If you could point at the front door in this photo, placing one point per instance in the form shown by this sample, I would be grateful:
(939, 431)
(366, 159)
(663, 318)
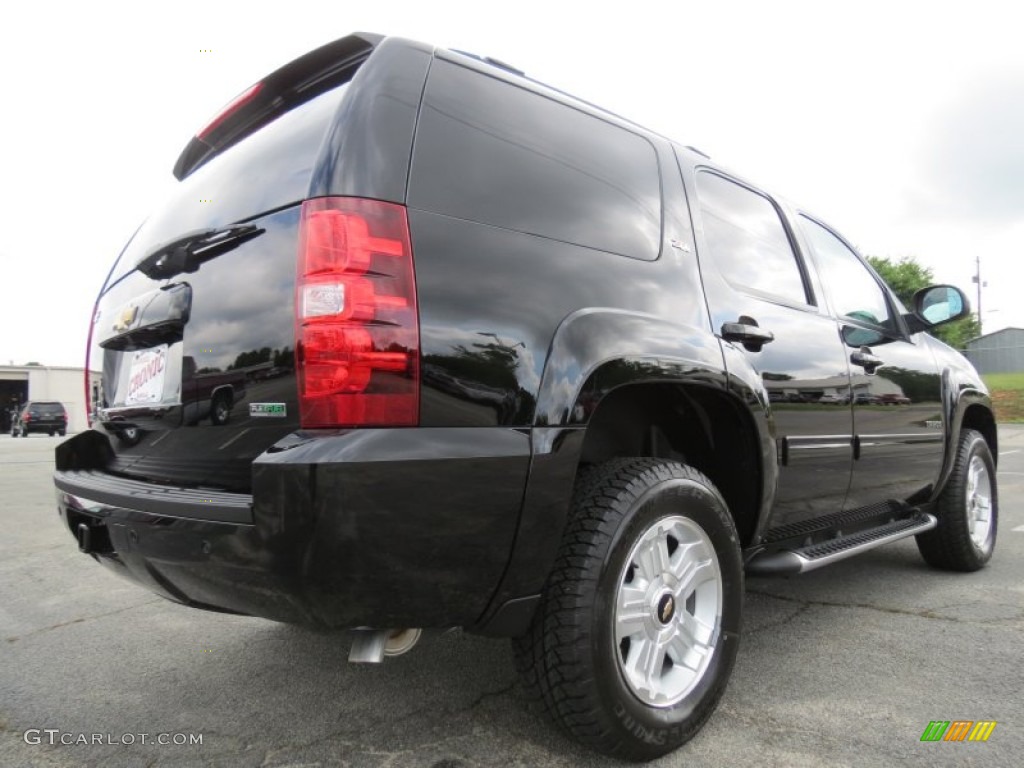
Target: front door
(898, 414)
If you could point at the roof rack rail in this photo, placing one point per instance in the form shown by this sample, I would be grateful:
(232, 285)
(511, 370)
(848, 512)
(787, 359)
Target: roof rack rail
(492, 61)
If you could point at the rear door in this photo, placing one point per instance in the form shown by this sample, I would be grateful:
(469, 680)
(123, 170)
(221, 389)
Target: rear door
(755, 278)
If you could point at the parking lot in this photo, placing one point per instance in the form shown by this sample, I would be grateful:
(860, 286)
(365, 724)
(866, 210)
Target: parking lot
(844, 666)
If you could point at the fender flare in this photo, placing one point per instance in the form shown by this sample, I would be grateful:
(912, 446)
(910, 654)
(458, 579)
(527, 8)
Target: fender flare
(960, 392)
(594, 352)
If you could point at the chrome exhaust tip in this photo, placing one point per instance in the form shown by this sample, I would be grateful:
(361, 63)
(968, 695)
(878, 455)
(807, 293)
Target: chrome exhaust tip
(370, 646)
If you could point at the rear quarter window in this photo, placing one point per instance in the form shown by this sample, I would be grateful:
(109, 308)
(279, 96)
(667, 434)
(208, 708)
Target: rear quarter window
(491, 152)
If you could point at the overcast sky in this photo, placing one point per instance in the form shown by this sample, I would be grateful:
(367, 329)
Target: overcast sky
(900, 123)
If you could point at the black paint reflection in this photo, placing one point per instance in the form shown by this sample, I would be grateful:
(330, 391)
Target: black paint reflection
(482, 374)
(236, 352)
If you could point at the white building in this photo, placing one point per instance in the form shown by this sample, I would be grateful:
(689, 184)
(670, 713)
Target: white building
(21, 383)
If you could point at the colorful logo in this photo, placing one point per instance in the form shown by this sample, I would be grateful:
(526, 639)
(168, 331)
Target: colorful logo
(958, 730)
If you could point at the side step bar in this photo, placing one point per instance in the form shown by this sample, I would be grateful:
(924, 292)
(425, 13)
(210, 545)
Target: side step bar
(825, 553)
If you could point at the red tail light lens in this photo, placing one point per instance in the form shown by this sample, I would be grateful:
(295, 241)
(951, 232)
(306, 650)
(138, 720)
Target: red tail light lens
(356, 324)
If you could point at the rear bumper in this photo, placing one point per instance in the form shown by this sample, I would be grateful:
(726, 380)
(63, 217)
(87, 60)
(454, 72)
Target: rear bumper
(379, 528)
(44, 426)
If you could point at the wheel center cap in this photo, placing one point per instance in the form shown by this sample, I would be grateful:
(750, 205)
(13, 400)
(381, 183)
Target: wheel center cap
(666, 608)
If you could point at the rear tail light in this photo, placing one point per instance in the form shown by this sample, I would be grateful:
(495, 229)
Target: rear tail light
(356, 324)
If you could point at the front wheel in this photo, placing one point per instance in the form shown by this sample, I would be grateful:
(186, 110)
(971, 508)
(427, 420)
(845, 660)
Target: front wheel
(638, 627)
(968, 510)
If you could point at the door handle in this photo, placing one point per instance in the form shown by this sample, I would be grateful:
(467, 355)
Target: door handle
(747, 332)
(869, 362)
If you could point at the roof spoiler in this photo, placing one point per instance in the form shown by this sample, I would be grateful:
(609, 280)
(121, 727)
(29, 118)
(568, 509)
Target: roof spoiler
(295, 83)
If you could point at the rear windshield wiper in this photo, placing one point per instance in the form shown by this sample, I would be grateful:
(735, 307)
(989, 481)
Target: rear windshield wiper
(187, 253)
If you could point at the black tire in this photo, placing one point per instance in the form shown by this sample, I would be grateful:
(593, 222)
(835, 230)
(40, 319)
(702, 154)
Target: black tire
(952, 545)
(571, 661)
(62, 433)
(50, 433)
(220, 409)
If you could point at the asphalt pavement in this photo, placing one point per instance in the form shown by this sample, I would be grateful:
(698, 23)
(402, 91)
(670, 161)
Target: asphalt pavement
(843, 666)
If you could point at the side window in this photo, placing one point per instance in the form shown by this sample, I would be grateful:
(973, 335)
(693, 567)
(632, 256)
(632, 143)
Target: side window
(491, 152)
(748, 241)
(854, 292)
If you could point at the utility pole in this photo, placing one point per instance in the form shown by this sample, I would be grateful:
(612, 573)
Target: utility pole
(977, 281)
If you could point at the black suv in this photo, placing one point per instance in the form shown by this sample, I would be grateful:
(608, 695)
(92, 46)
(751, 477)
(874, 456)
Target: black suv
(39, 416)
(514, 364)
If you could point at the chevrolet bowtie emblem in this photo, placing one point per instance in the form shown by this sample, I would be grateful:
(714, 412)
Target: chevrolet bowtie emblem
(126, 318)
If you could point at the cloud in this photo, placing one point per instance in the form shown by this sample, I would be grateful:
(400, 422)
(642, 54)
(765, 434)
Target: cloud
(974, 160)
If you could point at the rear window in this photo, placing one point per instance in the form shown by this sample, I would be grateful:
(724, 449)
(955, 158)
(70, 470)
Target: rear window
(268, 169)
(47, 409)
(491, 152)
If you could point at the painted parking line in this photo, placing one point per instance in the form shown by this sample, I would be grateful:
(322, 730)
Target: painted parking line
(1007, 453)
(1018, 529)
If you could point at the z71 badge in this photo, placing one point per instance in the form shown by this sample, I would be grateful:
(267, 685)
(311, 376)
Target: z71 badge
(268, 410)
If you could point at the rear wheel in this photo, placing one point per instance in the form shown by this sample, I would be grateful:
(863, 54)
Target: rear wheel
(638, 628)
(220, 410)
(968, 510)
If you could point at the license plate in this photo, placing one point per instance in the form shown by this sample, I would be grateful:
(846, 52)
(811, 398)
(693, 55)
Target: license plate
(268, 410)
(146, 376)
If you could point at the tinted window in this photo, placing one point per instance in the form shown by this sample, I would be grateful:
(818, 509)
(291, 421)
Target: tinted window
(268, 169)
(854, 292)
(490, 152)
(747, 239)
(47, 409)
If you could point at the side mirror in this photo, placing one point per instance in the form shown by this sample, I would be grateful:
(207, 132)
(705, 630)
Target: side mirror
(937, 305)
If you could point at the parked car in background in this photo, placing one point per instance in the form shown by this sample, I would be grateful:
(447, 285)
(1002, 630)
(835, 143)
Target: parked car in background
(48, 417)
(540, 373)
(865, 398)
(893, 400)
(833, 398)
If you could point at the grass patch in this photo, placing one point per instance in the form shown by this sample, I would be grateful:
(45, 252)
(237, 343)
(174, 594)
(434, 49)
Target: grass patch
(1014, 381)
(1007, 395)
